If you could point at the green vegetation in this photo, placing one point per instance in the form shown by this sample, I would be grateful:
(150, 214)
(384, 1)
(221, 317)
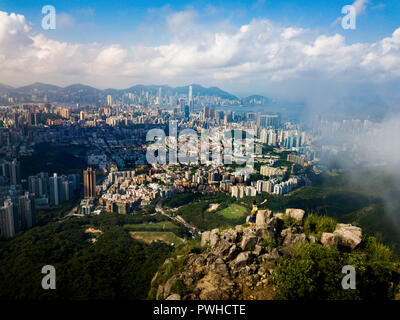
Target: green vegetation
(316, 225)
(196, 213)
(47, 157)
(313, 272)
(234, 211)
(180, 199)
(47, 215)
(174, 265)
(346, 200)
(115, 267)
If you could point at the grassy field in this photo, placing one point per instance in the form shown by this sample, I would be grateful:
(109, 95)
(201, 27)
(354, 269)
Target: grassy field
(158, 226)
(234, 211)
(150, 236)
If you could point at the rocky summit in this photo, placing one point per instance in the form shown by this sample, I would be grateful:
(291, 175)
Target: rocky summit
(238, 263)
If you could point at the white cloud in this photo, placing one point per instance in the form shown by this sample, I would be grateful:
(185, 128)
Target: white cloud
(259, 56)
(181, 20)
(360, 5)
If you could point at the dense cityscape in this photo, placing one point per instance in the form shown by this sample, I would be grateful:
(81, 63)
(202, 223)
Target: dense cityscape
(114, 137)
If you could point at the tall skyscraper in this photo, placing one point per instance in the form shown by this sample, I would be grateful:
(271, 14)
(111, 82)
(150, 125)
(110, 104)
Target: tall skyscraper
(191, 105)
(109, 100)
(54, 193)
(159, 95)
(15, 172)
(7, 220)
(89, 183)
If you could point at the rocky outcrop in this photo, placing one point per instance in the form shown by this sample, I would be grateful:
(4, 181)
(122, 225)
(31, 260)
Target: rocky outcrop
(237, 263)
(296, 214)
(348, 234)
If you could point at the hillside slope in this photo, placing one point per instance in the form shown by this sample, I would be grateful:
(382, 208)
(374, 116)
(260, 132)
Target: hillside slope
(285, 258)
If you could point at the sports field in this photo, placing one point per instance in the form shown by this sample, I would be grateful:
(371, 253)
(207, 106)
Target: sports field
(150, 236)
(158, 226)
(234, 211)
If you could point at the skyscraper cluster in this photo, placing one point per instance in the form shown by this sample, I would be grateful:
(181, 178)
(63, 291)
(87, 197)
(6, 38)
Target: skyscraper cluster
(17, 213)
(11, 171)
(53, 190)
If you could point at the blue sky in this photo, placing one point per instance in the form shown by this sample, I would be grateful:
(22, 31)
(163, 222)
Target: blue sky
(125, 22)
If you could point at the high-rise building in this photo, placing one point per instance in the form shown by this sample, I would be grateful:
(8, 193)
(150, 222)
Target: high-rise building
(89, 183)
(24, 212)
(11, 170)
(7, 220)
(109, 100)
(191, 104)
(53, 188)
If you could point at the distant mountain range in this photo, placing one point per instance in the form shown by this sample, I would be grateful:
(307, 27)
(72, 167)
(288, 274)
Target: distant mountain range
(79, 93)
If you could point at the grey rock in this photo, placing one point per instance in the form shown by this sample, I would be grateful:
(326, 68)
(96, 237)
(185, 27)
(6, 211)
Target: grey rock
(239, 229)
(205, 238)
(268, 257)
(168, 285)
(221, 248)
(312, 239)
(160, 292)
(348, 234)
(248, 242)
(293, 239)
(257, 250)
(296, 214)
(241, 260)
(230, 235)
(329, 239)
(261, 219)
(264, 233)
(233, 252)
(214, 237)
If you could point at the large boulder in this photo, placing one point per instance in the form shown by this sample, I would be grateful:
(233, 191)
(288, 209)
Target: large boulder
(214, 237)
(233, 252)
(220, 267)
(261, 219)
(241, 260)
(205, 238)
(168, 286)
(291, 240)
(248, 242)
(221, 248)
(239, 229)
(215, 287)
(257, 250)
(349, 235)
(229, 235)
(296, 214)
(264, 233)
(268, 257)
(329, 239)
(174, 296)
